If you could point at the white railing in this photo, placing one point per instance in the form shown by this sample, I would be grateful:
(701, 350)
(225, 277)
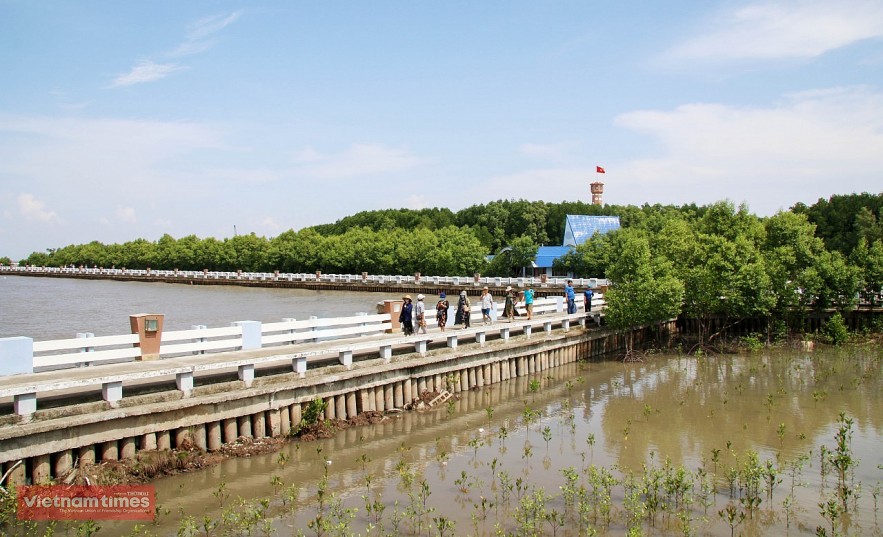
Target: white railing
(293, 342)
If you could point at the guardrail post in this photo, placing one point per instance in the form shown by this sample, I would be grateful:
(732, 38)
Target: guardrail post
(565, 324)
(184, 382)
(246, 374)
(346, 358)
(314, 330)
(25, 404)
(299, 365)
(547, 327)
(504, 333)
(16, 355)
(452, 341)
(480, 337)
(112, 392)
(527, 330)
(420, 346)
(386, 353)
(199, 339)
(251, 334)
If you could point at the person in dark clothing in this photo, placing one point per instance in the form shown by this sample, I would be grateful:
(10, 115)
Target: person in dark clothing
(463, 306)
(406, 316)
(441, 311)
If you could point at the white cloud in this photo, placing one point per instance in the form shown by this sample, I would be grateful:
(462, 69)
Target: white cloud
(810, 145)
(146, 71)
(357, 160)
(783, 29)
(416, 202)
(126, 215)
(199, 34)
(35, 210)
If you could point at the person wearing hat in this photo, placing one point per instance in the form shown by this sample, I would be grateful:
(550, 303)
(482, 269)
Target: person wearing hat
(463, 310)
(487, 304)
(509, 305)
(405, 317)
(420, 314)
(441, 311)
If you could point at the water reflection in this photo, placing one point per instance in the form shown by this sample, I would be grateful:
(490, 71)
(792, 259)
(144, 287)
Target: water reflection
(700, 413)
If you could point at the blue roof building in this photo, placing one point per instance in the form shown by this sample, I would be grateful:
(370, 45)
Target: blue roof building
(578, 228)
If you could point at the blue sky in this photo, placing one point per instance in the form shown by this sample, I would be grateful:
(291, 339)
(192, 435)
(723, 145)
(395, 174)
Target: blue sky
(125, 120)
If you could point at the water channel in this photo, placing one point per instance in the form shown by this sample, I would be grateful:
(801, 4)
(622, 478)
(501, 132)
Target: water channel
(563, 453)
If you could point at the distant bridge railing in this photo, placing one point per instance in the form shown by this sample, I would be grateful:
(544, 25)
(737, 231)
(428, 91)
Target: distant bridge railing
(314, 277)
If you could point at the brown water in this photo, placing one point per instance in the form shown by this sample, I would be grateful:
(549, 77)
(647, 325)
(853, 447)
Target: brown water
(462, 469)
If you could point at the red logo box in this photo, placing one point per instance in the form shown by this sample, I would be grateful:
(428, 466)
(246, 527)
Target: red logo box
(81, 502)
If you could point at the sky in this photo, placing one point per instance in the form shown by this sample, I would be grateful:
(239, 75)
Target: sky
(127, 120)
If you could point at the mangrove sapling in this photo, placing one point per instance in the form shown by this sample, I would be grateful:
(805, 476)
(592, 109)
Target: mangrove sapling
(750, 479)
(842, 460)
(444, 526)
(831, 511)
(771, 476)
(733, 516)
(547, 435)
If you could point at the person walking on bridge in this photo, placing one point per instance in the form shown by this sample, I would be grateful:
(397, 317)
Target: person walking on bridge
(441, 311)
(487, 303)
(509, 305)
(570, 295)
(405, 317)
(463, 310)
(420, 314)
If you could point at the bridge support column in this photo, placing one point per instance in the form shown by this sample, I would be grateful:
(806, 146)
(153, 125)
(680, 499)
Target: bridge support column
(340, 401)
(421, 386)
(86, 454)
(127, 448)
(388, 397)
(109, 451)
(259, 425)
(330, 408)
(64, 461)
(504, 333)
(408, 392)
(285, 420)
(399, 395)
(527, 330)
(296, 414)
(244, 426)
(18, 475)
(352, 408)
(364, 400)
(386, 353)
(213, 436)
(163, 440)
(547, 327)
(274, 417)
(41, 473)
(231, 430)
(452, 342)
(379, 399)
(420, 347)
(148, 441)
(565, 324)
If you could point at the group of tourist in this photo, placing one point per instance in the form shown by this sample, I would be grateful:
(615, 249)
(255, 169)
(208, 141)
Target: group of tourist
(412, 313)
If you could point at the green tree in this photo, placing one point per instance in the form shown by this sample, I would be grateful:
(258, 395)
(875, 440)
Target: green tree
(644, 289)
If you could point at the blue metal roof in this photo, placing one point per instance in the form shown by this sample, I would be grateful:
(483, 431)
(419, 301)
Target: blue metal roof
(578, 228)
(547, 254)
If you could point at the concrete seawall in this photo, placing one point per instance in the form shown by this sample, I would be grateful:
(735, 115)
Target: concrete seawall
(85, 431)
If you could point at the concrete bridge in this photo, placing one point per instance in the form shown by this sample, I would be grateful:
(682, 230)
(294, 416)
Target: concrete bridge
(543, 286)
(109, 412)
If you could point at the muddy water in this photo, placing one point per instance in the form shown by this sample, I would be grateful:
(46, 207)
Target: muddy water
(461, 469)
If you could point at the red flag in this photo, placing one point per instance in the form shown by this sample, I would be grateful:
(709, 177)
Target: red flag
(599, 169)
